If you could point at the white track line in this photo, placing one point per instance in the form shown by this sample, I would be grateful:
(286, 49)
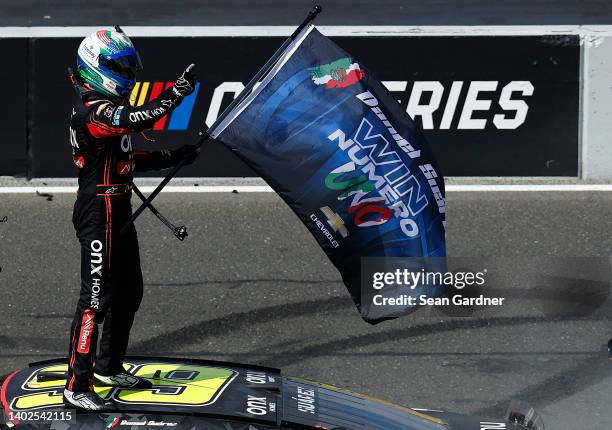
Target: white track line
(266, 189)
(148, 189)
(529, 187)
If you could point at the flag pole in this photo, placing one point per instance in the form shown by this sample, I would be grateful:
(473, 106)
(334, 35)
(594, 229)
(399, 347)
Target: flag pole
(266, 67)
(203, 135)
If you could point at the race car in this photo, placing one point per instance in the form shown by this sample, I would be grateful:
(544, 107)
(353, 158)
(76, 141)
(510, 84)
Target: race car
(212, 395)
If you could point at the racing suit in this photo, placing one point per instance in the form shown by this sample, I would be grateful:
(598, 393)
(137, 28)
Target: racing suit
(111, 278)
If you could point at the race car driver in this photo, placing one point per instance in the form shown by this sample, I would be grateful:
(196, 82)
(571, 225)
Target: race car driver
(101, 129)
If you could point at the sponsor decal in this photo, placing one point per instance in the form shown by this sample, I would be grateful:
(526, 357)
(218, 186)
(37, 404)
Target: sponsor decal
(117, 117)
(306, 400)
(338, 74)
(126, 143)
(89, 50)
(258, 405)
(96, 272)
(167, 103)
(335, 221)
(330, 237)
(158, 111)
(79, 161)
(143, 115)
(140, 115)
(259, 378)
(114, 189)
(125, 167)
(87, 326)
(73, 139)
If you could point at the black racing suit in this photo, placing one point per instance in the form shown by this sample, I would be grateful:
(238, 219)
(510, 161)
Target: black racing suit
(111, 279)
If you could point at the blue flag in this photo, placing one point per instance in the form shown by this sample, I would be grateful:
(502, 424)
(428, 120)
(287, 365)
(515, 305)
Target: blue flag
(343, 154)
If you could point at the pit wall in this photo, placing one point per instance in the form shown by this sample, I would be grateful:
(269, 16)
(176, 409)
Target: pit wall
(493, 101)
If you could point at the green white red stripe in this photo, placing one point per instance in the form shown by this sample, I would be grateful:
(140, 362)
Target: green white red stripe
(338, 74)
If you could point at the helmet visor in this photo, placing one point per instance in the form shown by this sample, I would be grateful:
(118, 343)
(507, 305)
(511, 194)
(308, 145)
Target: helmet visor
(126, 64)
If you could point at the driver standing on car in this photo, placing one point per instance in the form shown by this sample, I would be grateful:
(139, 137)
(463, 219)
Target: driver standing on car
(111, 280)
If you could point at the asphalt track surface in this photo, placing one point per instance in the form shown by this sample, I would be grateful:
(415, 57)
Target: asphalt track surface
(251, 285)
(291, 12)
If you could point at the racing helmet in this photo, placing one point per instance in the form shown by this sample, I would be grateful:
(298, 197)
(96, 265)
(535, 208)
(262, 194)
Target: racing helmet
(108, 62)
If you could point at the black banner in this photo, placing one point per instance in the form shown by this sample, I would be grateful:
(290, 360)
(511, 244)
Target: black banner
(14, 77)
(489, 106)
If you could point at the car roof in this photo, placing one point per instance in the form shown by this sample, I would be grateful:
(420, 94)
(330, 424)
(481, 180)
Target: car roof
(220, 392)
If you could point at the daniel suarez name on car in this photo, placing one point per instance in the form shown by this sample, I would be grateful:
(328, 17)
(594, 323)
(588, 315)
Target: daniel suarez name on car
(306, 400)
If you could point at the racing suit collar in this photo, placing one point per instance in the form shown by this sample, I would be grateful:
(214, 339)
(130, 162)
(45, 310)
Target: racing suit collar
(89, 94)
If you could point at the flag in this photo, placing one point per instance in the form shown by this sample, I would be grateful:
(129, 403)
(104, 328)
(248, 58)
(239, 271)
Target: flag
(338, 74)
(344, 155)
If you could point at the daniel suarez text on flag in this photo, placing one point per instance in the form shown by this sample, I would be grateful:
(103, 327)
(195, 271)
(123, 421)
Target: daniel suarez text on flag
(397, 187)
(443, 105)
